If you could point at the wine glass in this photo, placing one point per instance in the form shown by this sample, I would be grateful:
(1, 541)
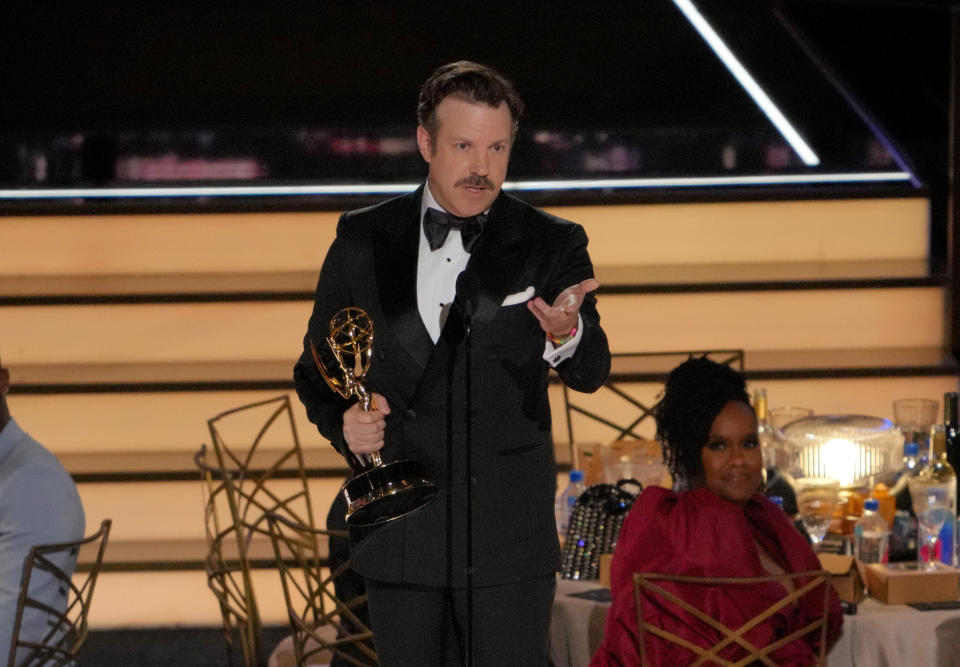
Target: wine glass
(914, 417)
(931, 503)
(817, 499)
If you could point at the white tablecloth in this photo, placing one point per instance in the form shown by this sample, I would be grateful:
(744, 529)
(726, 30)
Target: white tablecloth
(879, 634)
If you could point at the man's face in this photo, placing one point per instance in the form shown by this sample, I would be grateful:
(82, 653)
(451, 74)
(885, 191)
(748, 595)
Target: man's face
(468, 157)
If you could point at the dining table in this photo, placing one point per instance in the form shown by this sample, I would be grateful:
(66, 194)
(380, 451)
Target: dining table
(876, 634)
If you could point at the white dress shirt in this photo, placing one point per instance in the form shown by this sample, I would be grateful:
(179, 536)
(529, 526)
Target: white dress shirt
(437, 272)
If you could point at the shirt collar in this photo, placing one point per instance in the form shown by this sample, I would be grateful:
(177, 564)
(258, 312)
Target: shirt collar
(429, 201)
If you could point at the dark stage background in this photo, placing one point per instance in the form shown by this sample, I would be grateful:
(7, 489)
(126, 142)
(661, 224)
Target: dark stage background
(114, 94)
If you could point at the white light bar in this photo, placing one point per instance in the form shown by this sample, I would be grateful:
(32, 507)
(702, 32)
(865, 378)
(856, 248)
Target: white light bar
(748, 83)
(396, 188)
(711, 181)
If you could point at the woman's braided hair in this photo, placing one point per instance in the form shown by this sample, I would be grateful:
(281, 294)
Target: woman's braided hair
(694, 395)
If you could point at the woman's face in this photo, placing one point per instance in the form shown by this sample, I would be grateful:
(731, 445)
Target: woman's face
(732, 460)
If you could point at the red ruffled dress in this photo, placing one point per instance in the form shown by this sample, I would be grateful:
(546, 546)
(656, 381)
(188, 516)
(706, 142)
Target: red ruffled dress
(697, 533)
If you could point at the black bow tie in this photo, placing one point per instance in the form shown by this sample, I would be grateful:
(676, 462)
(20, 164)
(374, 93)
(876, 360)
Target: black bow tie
(437, 225)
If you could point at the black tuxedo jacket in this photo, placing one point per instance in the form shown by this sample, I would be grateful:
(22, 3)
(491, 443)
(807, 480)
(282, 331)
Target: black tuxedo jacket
(373, 264)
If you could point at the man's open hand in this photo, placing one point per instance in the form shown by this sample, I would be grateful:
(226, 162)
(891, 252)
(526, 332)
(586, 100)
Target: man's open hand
(560, 318)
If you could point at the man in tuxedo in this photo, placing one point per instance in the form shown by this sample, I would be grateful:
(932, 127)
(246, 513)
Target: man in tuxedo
(421, 265)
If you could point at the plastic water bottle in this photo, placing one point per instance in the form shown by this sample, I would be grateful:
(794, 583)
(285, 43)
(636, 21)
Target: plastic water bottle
(567, 499)
(871, 535)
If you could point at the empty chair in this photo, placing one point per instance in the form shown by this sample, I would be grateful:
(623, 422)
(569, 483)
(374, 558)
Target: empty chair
(325, 627)
(256, 467)
(65, 627)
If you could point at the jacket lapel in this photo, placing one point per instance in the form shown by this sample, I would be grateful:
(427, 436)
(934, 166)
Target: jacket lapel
(395, 256)
(498, 256)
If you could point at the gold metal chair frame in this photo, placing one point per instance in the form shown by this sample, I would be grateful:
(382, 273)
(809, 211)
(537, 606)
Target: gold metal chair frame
(644, 581)
(627, 368)
(67, 629)
(639, 367)
(312, 603)
(237, 499)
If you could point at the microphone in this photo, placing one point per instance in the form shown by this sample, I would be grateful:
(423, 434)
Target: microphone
(466, 301)
(467, 296)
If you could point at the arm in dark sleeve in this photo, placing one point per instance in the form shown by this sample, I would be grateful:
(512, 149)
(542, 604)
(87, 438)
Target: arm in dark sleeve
(325, 407)
(589, 366)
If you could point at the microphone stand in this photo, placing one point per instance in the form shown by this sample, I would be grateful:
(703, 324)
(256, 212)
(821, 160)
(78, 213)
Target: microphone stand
(468, 445)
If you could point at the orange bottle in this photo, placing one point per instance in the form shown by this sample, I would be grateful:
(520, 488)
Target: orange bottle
(850, 512)
(887, 503)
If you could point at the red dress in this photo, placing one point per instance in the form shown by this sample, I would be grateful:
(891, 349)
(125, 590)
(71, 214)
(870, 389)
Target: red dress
(698, 533)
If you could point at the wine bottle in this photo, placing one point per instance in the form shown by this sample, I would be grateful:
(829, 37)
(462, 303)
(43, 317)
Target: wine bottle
(951, 431)
(764, 430)
(949, 457)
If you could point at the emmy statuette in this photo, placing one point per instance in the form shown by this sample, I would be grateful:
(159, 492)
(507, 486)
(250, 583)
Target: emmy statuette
(380, 492)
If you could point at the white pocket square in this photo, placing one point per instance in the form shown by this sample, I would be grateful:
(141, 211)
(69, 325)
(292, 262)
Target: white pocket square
(519, 297)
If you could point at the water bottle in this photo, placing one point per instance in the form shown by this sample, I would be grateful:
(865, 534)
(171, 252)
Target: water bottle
(871, 535)
(776, 500)
(567, 499)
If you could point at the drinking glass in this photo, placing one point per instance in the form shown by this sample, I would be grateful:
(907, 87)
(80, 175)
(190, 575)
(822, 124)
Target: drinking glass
(817, 499)
(932, 500)
(786, 456)
(914, 417)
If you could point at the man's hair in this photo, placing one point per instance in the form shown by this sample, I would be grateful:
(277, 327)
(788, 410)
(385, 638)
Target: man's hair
(469, 81)
(695, 393)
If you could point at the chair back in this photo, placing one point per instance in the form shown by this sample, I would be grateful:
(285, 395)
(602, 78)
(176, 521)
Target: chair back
(65, 626)
(325, 627)
(647, 585)
(256, 468)
(614, 412)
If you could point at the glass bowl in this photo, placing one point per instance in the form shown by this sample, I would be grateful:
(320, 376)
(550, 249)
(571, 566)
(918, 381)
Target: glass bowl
(856, 450)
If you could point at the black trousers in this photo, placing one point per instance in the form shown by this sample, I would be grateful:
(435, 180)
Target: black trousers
(425, 625)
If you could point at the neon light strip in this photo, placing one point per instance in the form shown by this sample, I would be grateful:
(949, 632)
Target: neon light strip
(748, 83)
(394, 188)
(711, 181)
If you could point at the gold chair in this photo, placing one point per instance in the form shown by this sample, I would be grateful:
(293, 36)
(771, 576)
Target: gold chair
(324, 626)
(798, 585)
(258, 469)
(619, 414)
(66, 627)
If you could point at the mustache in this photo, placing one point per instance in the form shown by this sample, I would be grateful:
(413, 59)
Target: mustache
(475, 181)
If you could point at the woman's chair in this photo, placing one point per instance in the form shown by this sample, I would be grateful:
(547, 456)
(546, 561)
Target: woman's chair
(648, 586)
(324, 626)
(613, 414)
(257, 468)
(65, 627)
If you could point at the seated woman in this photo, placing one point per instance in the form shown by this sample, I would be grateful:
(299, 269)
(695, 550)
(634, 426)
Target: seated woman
(721, 527)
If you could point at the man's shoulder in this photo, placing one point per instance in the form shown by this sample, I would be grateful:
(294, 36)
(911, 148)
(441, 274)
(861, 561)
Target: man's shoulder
(535, 216)
(388, 209)
(36, 484)
(28, 458)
